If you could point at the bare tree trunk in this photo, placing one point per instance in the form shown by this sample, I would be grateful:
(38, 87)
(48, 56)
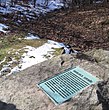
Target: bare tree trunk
(34, 3)
(46, 2)
(12, 2)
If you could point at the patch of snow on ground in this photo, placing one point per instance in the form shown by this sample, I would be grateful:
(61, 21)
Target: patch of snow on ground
(37, 55)
(31, 36)
(40, 8)
(59, 45)
(3, 60)
(52, 5)
(5, 10)
(2, 27)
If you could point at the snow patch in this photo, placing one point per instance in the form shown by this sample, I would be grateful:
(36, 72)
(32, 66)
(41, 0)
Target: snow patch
(29, 11)
(37, 55)
(2, 27)
(52, 5)
(3, 61)
(31, 36)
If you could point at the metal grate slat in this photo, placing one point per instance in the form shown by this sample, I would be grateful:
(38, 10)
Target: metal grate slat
(78, 79)
(67, 84)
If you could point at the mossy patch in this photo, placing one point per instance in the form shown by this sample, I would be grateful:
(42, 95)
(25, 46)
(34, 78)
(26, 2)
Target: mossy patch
(58, 51)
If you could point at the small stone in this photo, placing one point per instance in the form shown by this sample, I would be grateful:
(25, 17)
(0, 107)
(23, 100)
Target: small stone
(31, 57)
(5, 71)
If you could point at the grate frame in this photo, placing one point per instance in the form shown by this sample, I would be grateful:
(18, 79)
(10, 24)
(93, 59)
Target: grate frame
(67, 84)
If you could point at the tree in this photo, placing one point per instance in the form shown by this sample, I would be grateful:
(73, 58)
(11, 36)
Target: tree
(13, 2)
(34, 3)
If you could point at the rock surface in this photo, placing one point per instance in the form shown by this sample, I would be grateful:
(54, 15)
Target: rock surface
(22, 91)
(103, 94)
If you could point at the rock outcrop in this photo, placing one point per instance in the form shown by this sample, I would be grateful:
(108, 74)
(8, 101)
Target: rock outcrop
(21, 89)
(103, 94)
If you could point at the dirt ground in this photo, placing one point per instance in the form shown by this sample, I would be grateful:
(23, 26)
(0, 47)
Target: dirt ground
(82, 29)
(85, 28)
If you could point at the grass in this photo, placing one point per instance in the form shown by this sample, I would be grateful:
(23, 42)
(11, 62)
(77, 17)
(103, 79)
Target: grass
(58, 51)
(3, 53)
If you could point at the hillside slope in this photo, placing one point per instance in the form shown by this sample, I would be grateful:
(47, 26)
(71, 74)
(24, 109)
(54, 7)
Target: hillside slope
(85, 28)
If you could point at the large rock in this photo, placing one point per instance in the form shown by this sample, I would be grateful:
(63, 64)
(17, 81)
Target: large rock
(103, 94)
(21, 89)
(101, 56)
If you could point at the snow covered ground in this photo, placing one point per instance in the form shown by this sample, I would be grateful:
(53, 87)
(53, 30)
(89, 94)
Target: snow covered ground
(34, 55)
(3, 27)
(37, 55)
(31, 36)
(29, 11)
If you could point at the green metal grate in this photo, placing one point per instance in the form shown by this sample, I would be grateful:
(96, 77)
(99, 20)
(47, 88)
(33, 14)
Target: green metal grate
(63, 86)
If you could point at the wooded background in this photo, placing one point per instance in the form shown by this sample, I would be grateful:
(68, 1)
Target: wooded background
(69, 3)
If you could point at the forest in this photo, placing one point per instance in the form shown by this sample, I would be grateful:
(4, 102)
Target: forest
(45, 2)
